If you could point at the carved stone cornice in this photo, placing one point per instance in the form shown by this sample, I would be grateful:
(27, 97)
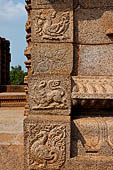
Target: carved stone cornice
(92, 91)
(92, 87)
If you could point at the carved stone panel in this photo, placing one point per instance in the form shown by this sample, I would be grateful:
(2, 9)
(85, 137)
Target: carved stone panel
(51, 25)
(49, 94)
(52, 4)
(46, 140)
(96, 87)
(55, 58)
(95, 60)
(92, 136)
(94, 26)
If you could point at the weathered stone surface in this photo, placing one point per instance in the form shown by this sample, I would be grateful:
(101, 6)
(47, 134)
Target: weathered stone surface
(52, 4)
(52, 58)
(95, 3)
(50, 94)
(94, 26)
(92, 137)
(92, 87)
(90, 163)
(47, 142)
(11, 157)
(95, 60)
(52, 25)
(11, 139)
(92, 92)
(54, 94)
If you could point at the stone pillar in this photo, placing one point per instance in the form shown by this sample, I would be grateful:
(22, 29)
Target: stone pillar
(69, 85)
(50, 42)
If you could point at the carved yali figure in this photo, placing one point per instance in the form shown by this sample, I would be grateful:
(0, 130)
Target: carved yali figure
(49, 95)
(48, 148)
(47, 26)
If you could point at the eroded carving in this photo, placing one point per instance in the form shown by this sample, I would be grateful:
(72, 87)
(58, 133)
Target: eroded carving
(50, 25)
(47, 144)
(43, 60)
(96, 132)
(49, 94)
(96, 87)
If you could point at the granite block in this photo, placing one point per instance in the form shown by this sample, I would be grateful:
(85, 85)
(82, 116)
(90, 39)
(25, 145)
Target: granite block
(95, 60)
(94, 26)
(52, 58)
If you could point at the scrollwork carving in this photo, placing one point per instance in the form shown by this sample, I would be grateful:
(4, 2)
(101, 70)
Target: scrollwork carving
(47, 146)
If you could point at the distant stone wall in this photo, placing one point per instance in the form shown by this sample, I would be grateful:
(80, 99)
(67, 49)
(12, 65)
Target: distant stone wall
(5, 58)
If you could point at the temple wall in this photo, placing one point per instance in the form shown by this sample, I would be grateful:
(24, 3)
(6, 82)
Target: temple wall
(69, 90)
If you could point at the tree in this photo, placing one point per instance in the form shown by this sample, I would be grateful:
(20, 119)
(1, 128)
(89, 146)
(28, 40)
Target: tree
(17, 75)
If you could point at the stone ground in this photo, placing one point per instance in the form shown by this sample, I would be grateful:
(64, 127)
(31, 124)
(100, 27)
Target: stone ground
(11, 138)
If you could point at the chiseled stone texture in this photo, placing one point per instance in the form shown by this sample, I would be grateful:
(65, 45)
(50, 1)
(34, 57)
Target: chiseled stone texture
(47, 142)
(52, 25)
(11, 157)
(92, 26)
(49, 94)
(95, 3)
(92, 87)
(95, 60)
(91, 144)
(90, 163)
(92, 137)
(52, 4)
(52, 58)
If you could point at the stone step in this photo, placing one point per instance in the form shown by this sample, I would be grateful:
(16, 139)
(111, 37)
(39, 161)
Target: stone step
(12, 99)
(11, 138)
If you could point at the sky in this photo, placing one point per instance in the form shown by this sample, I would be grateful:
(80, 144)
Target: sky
(13, 17)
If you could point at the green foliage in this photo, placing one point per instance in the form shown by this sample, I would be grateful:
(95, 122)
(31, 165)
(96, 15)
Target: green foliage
(17, 75)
